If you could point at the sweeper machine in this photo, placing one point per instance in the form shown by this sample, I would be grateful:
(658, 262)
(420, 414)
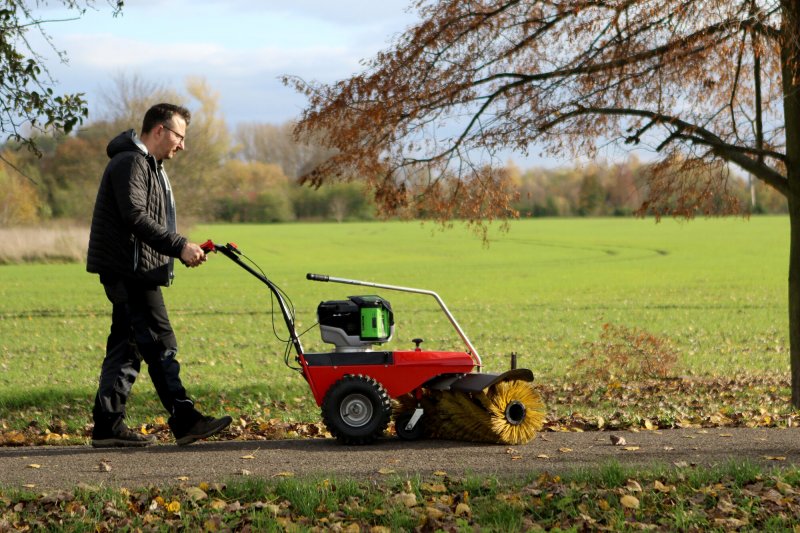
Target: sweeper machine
(431, 394)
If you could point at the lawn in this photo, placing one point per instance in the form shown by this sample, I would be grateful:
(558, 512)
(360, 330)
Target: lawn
(714, 288)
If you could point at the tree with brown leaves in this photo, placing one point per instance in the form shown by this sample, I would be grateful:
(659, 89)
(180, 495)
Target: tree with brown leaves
(704, 84)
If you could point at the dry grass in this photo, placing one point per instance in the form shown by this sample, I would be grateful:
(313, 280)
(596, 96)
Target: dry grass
(64, 243)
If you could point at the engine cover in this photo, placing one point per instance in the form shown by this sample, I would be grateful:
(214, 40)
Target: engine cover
(357, 323)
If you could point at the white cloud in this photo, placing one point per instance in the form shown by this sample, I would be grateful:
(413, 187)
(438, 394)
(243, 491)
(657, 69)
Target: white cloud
(240, 47)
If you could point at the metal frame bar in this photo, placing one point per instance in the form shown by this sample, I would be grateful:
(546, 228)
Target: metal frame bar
(471, 349)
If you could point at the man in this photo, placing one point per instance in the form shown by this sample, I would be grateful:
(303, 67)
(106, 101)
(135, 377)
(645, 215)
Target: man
(132, 246)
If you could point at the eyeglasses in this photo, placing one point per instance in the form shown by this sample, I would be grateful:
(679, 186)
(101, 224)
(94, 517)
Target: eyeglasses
(180, 137)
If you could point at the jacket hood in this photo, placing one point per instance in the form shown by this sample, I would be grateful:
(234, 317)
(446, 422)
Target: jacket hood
(127, 141)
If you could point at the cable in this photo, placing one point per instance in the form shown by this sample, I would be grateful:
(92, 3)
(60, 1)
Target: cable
(290, 309)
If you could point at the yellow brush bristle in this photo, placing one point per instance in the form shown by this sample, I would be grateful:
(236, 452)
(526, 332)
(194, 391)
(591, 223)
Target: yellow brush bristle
(481, 417)
(500, 397)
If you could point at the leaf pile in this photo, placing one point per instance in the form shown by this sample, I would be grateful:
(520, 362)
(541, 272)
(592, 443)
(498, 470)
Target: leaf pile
(689, 402)
(628, 353)
(729, 498)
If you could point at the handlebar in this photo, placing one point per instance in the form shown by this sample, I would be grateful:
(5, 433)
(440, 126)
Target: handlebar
(210, 246)
(317, 277)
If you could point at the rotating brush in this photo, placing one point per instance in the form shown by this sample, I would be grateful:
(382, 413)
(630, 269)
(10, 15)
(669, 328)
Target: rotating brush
(509, 412)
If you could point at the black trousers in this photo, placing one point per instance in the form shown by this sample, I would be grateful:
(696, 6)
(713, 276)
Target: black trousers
(140, 330)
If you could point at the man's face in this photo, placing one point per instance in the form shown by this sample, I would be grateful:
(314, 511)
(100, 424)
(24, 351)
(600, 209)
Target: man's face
(170, 138)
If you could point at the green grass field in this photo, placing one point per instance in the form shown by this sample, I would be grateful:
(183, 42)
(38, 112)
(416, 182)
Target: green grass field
(715, 287)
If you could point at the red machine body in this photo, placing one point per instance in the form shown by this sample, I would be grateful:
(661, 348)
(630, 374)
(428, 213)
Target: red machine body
(399, 372)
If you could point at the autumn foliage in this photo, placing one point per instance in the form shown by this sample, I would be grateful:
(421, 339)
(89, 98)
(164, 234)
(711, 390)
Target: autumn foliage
(694, 80)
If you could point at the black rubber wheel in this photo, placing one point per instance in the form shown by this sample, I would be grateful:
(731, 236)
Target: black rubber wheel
(356, 409)
(400, 422)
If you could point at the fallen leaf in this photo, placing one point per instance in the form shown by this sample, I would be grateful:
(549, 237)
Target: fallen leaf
(386, 471)
(617, 440)
(631, 448)
(773, 496)
(284, 474)
(660, 487)
(251, 456)
(433, 513)
(244, 472)
(405, 499)
(462, 509)
(217, 504)
(104, 466)
(195, 493)
(14, 438)
(182, 478)
(440, 473)
(542, 456)
(629, 502)
(633, 486)
(34, 465)
(774, 458)
(433, 487)
(730, 523)
(272, 509)
(565, 450)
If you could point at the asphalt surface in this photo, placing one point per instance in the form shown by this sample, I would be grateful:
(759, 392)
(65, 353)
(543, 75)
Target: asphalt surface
(41, 468)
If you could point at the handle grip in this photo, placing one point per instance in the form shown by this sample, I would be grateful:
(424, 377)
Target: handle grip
(317, 277)
(210, 246)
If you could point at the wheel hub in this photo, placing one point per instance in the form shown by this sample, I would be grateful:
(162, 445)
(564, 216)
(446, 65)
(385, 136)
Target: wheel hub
(356, 410)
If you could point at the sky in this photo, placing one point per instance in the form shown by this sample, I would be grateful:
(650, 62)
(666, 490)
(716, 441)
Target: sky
(240, 47)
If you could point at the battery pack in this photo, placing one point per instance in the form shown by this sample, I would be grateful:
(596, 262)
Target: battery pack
(358, 322)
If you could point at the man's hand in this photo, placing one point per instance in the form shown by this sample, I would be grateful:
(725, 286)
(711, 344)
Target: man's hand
(192, 255)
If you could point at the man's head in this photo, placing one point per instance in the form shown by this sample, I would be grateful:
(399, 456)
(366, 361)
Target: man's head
(164, 128)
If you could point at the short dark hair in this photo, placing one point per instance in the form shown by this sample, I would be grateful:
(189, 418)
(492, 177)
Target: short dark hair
(163, 113)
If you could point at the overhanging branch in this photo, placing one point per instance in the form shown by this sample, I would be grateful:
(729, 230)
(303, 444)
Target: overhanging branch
(694, 134)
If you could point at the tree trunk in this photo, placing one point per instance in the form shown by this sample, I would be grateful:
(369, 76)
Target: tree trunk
(794, 296)
(791, 106)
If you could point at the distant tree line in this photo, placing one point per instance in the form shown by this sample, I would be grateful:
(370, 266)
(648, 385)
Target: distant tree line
(619, 189)
(250, 173)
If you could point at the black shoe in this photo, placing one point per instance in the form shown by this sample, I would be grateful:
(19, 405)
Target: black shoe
(123, 438)
(203, 428)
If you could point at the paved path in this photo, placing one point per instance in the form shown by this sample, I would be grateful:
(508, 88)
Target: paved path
(64, 467)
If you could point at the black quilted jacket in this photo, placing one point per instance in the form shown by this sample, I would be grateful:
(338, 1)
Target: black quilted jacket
(129, 234)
